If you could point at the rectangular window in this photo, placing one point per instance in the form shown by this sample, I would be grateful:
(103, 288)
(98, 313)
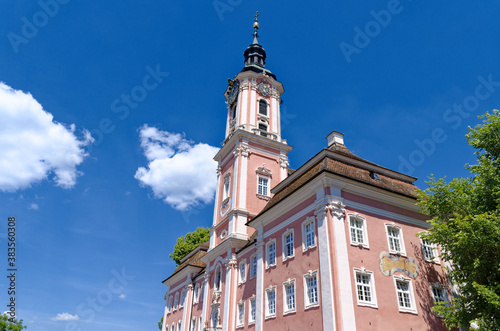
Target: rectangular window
(289, 297)
(241, 313)
(363, 287)
(404, 291)
(263, 107)
(202, 291)
(263, 129)
(395, 239)
(429, 250)
(243, 272)
(308, 234)
(262, 188)
(271, 302)
(312, 290)
(288, 245)
(271, 254)
(196, 293)
(439, 292)
(193, 324)
(253, 266)
(252, 311)
(356, 226)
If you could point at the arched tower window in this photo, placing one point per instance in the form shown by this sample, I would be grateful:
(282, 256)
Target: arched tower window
(263, 107)
(217, 279)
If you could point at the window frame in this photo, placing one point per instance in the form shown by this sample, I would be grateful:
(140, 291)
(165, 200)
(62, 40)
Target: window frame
(268, 314)
(196, 293)
(252, 266)
(252, 309)
(305, 246)
(440, 287)
(373, 293)
(432, 248)
(263, 101)
(269, 243)
(307, 300)
(170, 301)
(284, 236)
(176, 301)
(286, 285)
(226, 188)
(413, 307)
(218, 282)
(267, 179)
(242, 279)
(182, 298)
(364, 230)
(402, 250)
(239, 323)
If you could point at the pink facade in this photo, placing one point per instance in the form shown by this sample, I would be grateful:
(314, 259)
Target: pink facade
(333, 245)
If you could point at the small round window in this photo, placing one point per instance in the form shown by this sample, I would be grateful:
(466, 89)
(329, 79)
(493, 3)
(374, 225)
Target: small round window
(223, 234)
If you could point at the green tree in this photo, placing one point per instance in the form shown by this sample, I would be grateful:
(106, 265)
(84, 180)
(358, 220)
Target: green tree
(185, 244)
(5, 324)
(466, 224)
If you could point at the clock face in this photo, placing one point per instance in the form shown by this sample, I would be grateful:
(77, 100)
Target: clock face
(234, 93)
(264, 89)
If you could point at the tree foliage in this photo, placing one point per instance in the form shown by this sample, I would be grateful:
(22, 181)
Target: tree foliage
(466, 224)
(5, 325)
(185, 244)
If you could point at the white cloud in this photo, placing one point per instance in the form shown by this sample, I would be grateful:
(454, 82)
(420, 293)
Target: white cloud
(65, 317)
(122, 296)
(179, 172)
(34, 146)
(33, 206)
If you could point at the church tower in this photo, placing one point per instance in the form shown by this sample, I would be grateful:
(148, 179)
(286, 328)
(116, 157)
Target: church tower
(253, 158)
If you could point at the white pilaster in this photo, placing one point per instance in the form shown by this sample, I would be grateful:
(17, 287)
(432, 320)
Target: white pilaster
(185, 316)
(253, 98)
(325, 269)
(236, 154)
(243, 104)
(227, 291)
(205, 296)
(274, 115)
(343, 268)
(259, 300)
(242, 198)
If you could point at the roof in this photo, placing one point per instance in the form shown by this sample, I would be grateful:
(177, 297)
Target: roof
(193, 259)
(350, 166)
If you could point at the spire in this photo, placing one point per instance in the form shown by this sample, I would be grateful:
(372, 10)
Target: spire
(255, 53)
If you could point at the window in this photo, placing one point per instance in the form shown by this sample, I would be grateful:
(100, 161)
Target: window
(253, 266)
(439, 292)
(271, 253)
(288, 245)
(225, 192)
(196, 293)
(395, 239)
(404, 293)
(241, 314)
(263, 129)
(271, 302)
(217, 278)
(429, 250)
(365, 288)
(243, 271)
(183, 298)
(202, 290)
(308, 234)
(169, 306)
(289, 296)
(358, 231)
(167, 328)
(251, 316)
(311, 289)
(263, 186)
(176, 301)
(173, 327)
(200, 323)
(179, 325)
(263, 107)
(193, 324)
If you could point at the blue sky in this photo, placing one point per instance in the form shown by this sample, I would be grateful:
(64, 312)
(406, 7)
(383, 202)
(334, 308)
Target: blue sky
(145, 81)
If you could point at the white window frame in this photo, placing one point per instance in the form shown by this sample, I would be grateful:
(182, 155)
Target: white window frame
(176, 301)
(307, 302)
(240, 323)
(413, 307)
(432, 248)
(173, 327)
(202, 290)
(253, 268)
(373, 293)
(196, 293)
(200, 323)
(268, 314)
(169, 304)
(286, 310)
(182, 299)
(179, 325)
(251, 319)
(242, 271)
(285, 234)
(167, 327)
(226, 187)
(440, 287)
(402, 250)
(308, 221)
(193, 324)
(268, 180)
(218, 284)
(269, 243)
(364, 231)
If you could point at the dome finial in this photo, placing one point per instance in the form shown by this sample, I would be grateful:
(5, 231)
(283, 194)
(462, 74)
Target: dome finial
(255, 28)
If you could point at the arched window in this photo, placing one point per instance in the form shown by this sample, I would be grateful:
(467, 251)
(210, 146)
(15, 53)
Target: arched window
(263, 107)
(263, 129)
(217, 279)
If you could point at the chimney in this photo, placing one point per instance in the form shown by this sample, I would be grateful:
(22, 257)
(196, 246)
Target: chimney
(335, 137)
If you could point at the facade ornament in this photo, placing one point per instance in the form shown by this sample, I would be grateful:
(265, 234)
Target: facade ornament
(284, 162)
(337, 208)
(260, 246)
(236, 151)
(245, 149)
(230, 263)
(321, 211)
(219, 170)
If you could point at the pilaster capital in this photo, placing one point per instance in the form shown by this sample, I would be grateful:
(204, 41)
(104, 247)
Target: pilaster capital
(337, 208)
(219, 170)
(231, 263)
(236, 151)
(245, 149)
(284, 161)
